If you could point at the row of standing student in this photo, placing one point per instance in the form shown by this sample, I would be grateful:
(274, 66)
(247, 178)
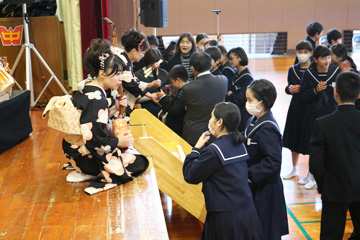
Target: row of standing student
(312, 98)
(252, 160)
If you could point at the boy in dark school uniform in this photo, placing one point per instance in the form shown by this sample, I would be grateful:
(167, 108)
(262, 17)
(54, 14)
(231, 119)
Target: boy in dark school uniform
(335, 160)
(314, 31)
(178, 76)
(215, 55)
(334, 36)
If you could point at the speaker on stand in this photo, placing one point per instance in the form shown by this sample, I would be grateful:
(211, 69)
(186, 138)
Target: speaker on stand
(153, 13)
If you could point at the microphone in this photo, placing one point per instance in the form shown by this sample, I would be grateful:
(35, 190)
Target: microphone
(216, 11)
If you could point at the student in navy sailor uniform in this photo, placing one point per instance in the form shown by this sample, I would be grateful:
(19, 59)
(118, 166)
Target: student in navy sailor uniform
(335, 160)
(221, 167)
(242, 79)
(317, 94)
(264, 146)
(314, 31)
(296, 112)
(339, 57)
(152, 56)
(225, 66)
(185, 47)
(97, 154)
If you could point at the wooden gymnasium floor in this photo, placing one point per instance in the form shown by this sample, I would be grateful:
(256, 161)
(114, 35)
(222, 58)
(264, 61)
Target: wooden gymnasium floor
(37, 203)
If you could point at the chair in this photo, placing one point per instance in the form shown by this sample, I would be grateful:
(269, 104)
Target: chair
(323, 40)
(356, 43)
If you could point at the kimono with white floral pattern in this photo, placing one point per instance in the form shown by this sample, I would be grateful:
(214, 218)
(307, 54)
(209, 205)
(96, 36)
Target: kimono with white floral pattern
(99, 153)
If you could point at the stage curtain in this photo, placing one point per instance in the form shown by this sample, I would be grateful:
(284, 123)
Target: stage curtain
(69, 13)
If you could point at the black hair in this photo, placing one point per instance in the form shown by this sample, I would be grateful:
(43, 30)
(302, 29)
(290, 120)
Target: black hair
(263, 90)
(201, 36)
(304, 45)
(240, 52)
(179, 71)
(231, 117)
(91, 59)
(211, 42)
(191, 39)
(153, 40)
(333, 34)
(134, 39)
(314, 28)
(321, 51)
(214, 52)
(348, 86)
(152, 56)
(201, 61)
(222, 49)
(340, 51)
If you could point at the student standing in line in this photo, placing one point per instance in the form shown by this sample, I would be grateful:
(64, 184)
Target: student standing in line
(339, 55)
(230, 209)
(314, 31)
(240, 82)
(335, 160)
(185, 47)
(171, 104)
(215, 54)
(264, 146)
(295, 116)
(225, 66)
(201, 38)
(334, 36)
(157, 79)
(317, 94)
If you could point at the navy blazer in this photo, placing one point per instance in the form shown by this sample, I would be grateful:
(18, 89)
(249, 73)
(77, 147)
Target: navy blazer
(335, 155)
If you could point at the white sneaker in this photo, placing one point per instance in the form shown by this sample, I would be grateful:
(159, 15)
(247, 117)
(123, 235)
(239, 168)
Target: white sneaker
(305, 179)
(76, 176)
(293, 173)
(310, 184)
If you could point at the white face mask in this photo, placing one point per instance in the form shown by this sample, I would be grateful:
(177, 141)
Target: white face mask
(251, 108)
(211, 130)
(303, 58)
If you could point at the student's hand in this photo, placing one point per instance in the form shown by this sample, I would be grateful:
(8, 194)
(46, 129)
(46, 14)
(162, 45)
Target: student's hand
(127, 76)
(321, 86)
(155, 99)
(120, 103)
(125, 139)
(156, 83)
(346, 66)
(204, 138)
(229, 93)
(160, 94)
(294, 88)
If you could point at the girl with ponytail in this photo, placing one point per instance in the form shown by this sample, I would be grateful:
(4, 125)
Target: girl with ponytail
(222, 168)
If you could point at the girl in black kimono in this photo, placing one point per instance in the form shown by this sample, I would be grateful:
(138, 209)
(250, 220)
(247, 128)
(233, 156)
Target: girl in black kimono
(97, 154)
(317, 94)
(221, 166)
(295, 116)
(264, 145)
(240, 82)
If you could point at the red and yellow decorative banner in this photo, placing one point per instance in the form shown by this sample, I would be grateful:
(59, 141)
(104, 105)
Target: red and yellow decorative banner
(11, 37)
